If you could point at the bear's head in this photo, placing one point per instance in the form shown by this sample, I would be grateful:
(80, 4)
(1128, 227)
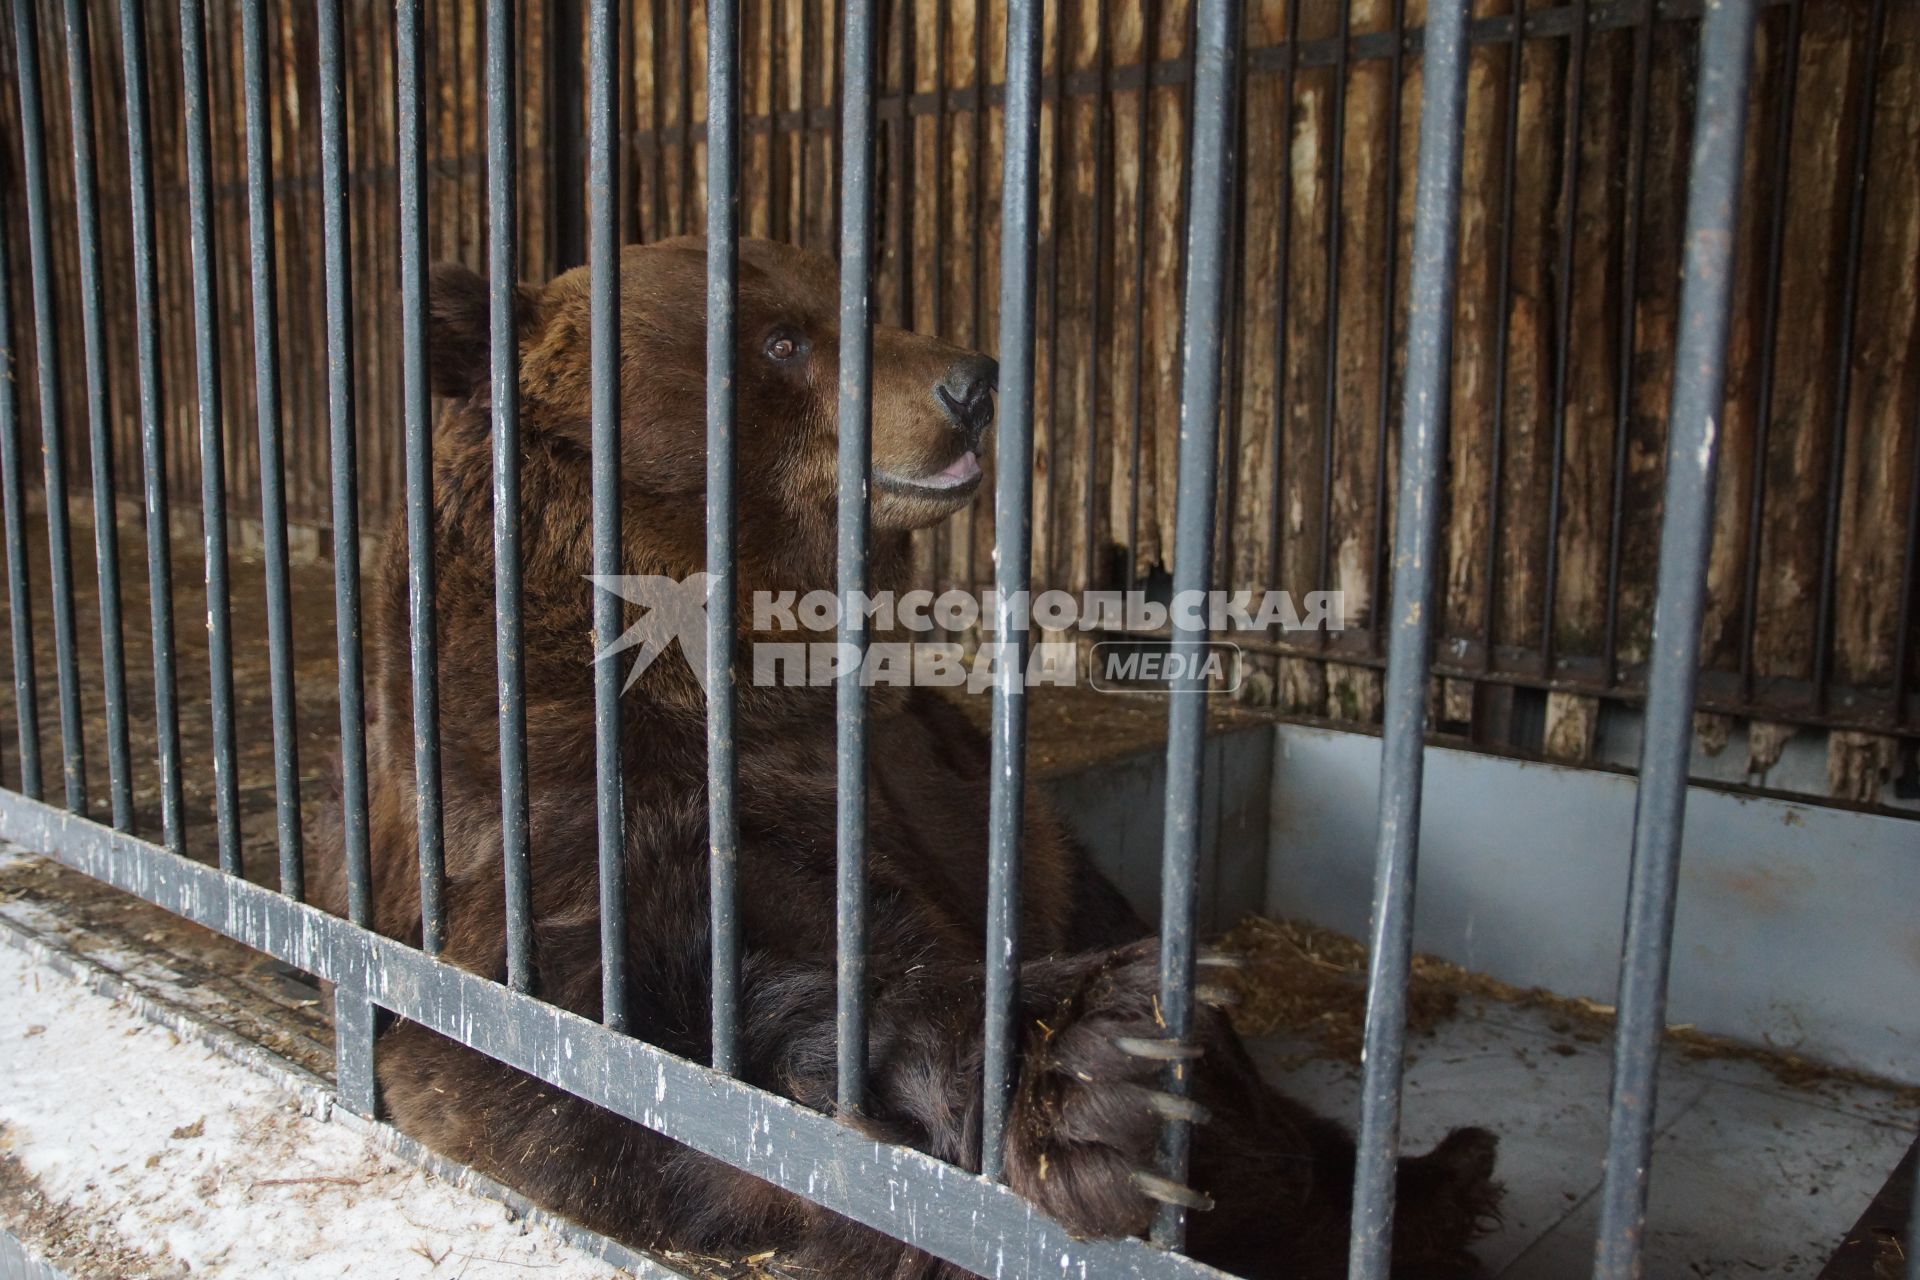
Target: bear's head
(932, 402)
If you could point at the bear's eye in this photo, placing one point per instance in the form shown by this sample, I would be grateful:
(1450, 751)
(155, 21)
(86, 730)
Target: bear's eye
(783, 346)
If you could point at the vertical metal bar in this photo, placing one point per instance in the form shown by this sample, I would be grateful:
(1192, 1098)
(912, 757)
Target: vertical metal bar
(353, 1077)
(806, 121)
(26, 701)
(33, 156)
(1282, 274)
(1843, 360)
(1226, 522)
(213, 481)
(503, 120)
(603, 258)
(1913, 1233)
(683, 66)
(1769, 345)
(856, 422)
(153, 452)
(1097, 252)
(937, 281)
(1423, 453)
(903, 163)
(273, 493)
(1629, 298)
(1503, 339)
(779, 166)
(723, 229)
(838, 204)
(1013, 529)
(1563, 324)
(566, 223)
(1143, 220)
(1330, 408)
(346, 506)
(1216, 58)
(977, 333)
(657, 60)
(1903, 637)
(1188, 89)
(106, 539)
(1056, 215)
(410, 86)
(1686, 534)
(1389, 273)
(626, 92)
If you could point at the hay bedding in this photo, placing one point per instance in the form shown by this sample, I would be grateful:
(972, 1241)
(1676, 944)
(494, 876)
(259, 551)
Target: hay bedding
(1309, 985)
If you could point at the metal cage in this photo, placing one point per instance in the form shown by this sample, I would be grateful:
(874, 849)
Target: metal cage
(970, 1220)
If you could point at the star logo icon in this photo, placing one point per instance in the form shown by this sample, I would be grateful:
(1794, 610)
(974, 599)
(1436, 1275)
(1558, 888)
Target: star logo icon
(671, 610)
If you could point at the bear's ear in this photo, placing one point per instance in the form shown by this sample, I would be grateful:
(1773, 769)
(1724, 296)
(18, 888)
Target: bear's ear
(459, 356)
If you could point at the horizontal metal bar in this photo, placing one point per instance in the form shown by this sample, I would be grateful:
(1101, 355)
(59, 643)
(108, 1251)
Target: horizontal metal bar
(921, 1201)
(1556, 23)
(1266, 60)
(313, 1090)
(1782, 698)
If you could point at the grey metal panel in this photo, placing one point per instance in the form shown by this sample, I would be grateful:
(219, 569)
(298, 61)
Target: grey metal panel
(17, 1261)
(1796, 928)
(1116, 810)
(1240, 766)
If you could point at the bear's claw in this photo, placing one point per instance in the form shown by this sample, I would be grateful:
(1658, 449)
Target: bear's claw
(1158, 1050)
(1169, 1106)
(1215, 996)
(1155, 1187)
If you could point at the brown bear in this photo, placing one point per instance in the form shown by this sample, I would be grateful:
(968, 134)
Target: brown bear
(1087, 1112)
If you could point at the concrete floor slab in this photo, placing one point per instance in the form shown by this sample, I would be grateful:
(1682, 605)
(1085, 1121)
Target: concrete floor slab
(1752, 1177)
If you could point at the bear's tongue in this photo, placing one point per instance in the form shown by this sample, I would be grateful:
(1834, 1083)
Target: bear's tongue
(962, 469)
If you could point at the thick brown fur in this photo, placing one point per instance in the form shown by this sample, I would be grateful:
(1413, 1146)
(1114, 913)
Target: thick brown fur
(1084, 1116)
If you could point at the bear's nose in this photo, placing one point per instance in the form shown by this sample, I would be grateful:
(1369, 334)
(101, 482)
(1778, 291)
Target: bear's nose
(966, 393)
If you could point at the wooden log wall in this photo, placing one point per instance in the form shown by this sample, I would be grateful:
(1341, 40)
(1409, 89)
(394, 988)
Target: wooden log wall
(456, 180)
(1573, 197)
